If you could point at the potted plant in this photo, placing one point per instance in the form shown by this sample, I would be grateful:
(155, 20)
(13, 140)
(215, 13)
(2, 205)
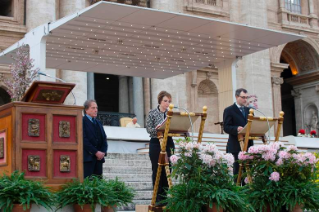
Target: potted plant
(205, 180)
(123, 195)
(282, 178)
(94, 190)
(17, 193)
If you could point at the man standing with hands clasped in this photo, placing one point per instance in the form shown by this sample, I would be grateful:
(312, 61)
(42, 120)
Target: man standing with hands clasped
(94, 141)
(235, 118)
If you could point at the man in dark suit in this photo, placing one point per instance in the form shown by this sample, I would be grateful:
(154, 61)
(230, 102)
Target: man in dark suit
(94, 141)
(235, 118)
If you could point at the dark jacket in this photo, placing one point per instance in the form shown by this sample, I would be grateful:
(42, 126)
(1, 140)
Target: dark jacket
(91, 143)
(233, 118)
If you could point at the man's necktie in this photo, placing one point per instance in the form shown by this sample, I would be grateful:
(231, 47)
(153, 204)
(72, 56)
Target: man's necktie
(94, 121)
(242, 111)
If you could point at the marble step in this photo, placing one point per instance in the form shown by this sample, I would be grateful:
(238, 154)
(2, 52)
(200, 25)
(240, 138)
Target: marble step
(127, 170)
(131, 163)
(127, 156)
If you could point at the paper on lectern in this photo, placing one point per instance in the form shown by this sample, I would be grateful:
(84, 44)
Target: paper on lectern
(179, 123)
(258, 127)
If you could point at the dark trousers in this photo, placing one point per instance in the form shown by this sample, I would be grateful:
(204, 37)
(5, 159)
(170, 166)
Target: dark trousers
(94, 167)
(154, 151)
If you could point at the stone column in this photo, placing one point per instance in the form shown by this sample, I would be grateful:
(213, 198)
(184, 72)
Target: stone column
(68, 7)
(276, 92)
(296, 93)
(313, 20)
(130, 93)
(138, 100)
(38, 13)
(147, 96)
(123, 95)
(227, 84)
(90, 85)
(276, 80)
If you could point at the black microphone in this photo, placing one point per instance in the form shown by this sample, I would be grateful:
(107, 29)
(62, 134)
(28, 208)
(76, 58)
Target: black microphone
(47, 75)
(250, 106)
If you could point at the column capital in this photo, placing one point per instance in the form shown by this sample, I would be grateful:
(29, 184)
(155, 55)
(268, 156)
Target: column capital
(277, 81)
(296, 93)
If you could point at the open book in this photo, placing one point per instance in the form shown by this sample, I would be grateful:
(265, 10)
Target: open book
(178, 123)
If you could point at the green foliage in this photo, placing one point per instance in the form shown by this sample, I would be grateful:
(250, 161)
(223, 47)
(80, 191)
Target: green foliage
(14, 189)
(205, 179)
(95, 190)
(295, 184)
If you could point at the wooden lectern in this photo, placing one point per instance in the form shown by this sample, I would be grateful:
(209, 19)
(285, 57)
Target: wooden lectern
(256, 128)
(41, 136)
(176, 125)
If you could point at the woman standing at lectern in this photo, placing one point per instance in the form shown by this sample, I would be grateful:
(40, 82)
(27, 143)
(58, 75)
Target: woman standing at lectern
(154, 119)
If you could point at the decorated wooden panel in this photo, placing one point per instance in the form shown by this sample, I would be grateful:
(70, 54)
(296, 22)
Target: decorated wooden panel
(3, 148)
(33, 127)
(64, 163)
(34, 162)
(64, 128)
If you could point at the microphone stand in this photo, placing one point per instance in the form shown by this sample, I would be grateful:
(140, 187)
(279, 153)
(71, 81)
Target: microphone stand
(190, 120)
(47, 75)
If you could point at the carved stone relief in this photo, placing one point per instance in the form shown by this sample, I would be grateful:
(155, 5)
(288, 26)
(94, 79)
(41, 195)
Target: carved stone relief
(65, 163)
(64, 129)
(34, 127)
(311, 118)
(34, 163)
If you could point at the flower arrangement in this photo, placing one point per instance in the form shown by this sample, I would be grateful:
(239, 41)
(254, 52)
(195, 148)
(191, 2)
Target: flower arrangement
(22, 72)
(205, 180)
(282, 178)
(301, 132)
(313, 133)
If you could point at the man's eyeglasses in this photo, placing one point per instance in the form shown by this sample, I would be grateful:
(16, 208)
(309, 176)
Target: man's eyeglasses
(244, 97)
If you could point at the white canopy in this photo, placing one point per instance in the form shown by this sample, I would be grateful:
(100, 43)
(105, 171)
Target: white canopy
(135, 41)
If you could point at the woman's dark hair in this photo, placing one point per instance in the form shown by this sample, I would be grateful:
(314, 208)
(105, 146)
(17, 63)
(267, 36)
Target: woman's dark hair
(161, 95)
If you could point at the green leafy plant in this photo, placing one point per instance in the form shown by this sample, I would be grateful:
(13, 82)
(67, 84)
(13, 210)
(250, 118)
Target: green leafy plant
(15, 189)
(122, 193)
(205, 176)
(94, 190)
(280, 178)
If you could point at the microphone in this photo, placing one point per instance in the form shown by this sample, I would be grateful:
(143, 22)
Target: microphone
(47, 75)
(190, 120)
(251, 106)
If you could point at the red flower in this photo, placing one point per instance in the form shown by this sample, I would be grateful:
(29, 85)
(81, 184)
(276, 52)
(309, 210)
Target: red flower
(302, 131)
(313, 132)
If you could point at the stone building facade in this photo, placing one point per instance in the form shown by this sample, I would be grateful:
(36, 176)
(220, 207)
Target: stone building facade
(283, 78)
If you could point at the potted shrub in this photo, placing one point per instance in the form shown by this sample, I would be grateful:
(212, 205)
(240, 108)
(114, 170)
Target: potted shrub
(282, 178)
(205, 181)
(17, 193)
(94, 190)
(123, 195)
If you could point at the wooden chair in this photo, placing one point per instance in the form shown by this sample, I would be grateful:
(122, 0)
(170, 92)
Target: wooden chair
(124, 121)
